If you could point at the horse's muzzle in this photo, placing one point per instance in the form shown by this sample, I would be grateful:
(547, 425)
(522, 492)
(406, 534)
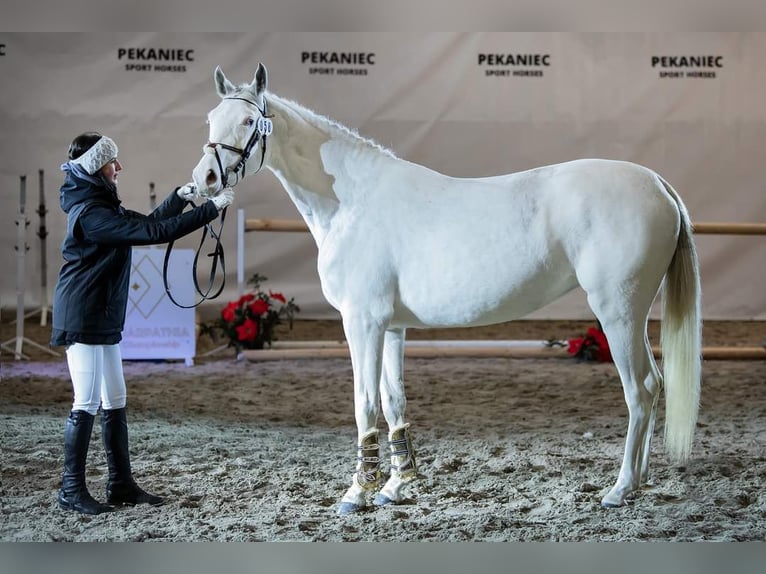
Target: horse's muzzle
(206, 177)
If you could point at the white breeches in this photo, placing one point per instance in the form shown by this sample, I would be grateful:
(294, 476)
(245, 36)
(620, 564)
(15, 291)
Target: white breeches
(96, 372)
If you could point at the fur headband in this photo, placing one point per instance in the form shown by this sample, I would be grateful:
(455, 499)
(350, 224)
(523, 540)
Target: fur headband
(102, 152)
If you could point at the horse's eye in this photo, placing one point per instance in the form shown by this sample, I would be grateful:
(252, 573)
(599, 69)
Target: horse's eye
(250, 121)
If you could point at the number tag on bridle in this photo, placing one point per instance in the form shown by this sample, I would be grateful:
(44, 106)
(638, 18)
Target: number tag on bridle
(264, 126)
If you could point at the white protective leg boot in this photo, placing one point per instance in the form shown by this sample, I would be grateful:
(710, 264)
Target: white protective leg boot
(367, 475)
(404, 467)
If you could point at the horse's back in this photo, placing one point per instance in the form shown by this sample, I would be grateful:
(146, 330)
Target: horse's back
(530, 214)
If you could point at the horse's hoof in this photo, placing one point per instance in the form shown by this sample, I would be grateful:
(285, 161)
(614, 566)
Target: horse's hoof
(345, 508)
(382, 500)
(613, 502)
(615, 498)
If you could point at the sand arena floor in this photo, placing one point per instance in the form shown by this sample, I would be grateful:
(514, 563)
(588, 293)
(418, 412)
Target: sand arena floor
(508, 449)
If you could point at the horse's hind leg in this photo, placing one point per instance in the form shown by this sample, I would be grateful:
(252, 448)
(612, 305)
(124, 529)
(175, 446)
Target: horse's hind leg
(656, 382)
(626, 333)
(403, 465)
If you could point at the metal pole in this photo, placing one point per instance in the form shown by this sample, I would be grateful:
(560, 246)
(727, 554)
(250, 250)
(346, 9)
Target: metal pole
(240, 252)
(21, 248)
(42, 233)
(152, 197)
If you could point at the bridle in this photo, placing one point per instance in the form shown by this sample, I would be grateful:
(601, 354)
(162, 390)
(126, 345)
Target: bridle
(263, 129)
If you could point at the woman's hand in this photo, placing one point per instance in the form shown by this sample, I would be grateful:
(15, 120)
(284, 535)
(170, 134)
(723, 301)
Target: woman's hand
(187, 192)
(223, 199)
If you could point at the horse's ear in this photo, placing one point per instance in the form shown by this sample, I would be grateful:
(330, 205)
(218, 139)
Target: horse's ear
(261, 79)
(222, 85)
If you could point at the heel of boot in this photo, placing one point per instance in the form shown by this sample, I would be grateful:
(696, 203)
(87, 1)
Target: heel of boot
(131, 494)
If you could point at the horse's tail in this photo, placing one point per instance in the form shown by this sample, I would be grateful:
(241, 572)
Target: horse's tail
(681, 340)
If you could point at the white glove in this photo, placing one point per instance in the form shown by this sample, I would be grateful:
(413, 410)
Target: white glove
(187, 192)
(224, 198)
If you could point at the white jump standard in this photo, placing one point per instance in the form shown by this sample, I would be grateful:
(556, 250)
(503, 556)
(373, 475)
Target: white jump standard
(16, 344)
(397, 241)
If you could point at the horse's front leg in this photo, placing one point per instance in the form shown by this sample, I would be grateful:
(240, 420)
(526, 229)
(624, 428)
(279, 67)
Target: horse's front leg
(403, 465)
(365, 340)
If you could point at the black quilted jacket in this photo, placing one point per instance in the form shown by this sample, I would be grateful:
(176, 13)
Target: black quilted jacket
(91, 294)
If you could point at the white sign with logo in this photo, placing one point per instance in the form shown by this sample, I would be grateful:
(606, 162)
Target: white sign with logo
(156, 328)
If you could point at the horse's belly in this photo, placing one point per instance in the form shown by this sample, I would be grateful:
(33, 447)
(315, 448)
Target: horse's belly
(483, 301)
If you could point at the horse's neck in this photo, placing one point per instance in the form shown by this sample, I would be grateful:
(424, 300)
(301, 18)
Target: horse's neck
(310, 157)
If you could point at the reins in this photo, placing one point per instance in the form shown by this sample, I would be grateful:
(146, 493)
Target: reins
(217, 255)
(263, 129)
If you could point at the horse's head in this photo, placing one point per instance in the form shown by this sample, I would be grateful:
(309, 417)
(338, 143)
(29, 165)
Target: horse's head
(237, 125)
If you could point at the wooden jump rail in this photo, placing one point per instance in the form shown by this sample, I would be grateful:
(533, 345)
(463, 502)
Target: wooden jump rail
(475, 349)
(713, 228)
(276, 225)
(479, 348)
(701, 228)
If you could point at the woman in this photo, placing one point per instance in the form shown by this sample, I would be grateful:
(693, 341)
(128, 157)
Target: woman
(89, 307)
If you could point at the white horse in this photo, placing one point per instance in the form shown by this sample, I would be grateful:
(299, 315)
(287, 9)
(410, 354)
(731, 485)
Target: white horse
(398, 242)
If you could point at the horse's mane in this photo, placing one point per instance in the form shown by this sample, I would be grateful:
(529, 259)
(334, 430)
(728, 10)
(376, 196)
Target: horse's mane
(332, 125)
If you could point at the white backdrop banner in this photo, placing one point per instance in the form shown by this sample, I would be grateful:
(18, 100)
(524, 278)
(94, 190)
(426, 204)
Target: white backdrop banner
(689, 106)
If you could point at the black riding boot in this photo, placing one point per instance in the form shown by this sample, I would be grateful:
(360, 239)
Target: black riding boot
(73, 494)
(121, 488)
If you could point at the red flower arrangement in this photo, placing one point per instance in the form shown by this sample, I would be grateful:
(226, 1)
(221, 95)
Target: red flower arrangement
(592, 347)
(249, 321)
